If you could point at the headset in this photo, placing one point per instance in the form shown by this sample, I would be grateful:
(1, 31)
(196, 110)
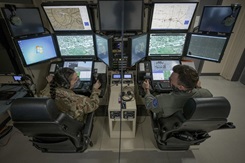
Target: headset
(14, 19)
(63, 81)
(229, 20)
(127, 94)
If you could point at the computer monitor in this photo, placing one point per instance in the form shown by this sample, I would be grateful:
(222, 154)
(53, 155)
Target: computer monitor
(162, 69)
(82, 68)
(104, 48)
(110, 15)
(166, 44)
(28, 25)
(75, 45)
(173, 16)
(68, 17)
(219, 19)
(137, 46)
(206, 47)
(36, 49)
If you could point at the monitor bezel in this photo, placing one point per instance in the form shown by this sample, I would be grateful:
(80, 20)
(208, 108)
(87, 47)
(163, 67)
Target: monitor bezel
(109, 42)
(75, 34)
(118, 30)
(202, 17)
(178, 60)
(171, 30)
(130, 41)
(73, 3)
(188, 40)
(169, 56)
(81, 60)
(9, 23)
(33, 37)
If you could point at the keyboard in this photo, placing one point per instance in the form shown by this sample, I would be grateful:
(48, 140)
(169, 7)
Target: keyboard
(6, 95)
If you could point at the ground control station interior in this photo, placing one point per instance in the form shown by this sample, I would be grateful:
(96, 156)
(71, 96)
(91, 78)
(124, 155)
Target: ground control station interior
(122, 43)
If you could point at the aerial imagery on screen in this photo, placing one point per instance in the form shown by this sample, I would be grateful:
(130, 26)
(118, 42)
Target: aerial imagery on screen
(76, 45)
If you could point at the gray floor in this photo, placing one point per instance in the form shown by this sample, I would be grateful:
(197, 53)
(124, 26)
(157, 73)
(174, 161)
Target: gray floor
(224, 146)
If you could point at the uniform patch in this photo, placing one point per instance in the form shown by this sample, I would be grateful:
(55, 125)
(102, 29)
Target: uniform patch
(155, 103)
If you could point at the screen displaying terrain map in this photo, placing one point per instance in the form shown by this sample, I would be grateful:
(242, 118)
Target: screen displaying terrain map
(206, 47)
(68, 18)
(76, 45)
(166, 44)
(162, 69)
(172, 16)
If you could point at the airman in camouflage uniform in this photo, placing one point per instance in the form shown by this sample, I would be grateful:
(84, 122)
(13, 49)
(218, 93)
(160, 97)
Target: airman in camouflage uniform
(75, 105)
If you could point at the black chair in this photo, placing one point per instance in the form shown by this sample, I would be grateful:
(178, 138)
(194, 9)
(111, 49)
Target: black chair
(192, 126)
(50, 130)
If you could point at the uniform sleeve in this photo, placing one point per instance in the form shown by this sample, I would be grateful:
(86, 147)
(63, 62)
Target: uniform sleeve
(89, 104)
(151, 103)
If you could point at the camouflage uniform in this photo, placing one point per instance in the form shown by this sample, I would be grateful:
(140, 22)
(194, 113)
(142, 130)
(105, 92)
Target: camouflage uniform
(75, 105)
(167, 104)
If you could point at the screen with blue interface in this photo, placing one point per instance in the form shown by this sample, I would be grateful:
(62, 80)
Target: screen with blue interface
(102, 47)
(162, 69)
(82, 68)
(206, 47)
(37, 49)
(218, 19)
(166, 44)
(172, 16)
(138, 48)
(68, 18)
(75, 45)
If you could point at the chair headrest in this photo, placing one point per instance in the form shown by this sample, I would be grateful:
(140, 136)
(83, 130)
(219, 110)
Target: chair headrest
(206, 108)
(34, 109)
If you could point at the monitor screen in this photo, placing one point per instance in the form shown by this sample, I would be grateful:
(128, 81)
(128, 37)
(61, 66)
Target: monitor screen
(218, 19)
(36, 49)
(68, 17)
(206, 47)
(166, 44)
(116, 76)
(173, 16)
(127, 76)
(162, 69)
(29, 24)
(79, 45)
(110, 15)
(138, 48)
(82, 68)
(103, 48)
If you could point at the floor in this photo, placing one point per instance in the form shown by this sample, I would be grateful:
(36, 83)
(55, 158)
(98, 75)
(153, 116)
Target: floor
(224, 146)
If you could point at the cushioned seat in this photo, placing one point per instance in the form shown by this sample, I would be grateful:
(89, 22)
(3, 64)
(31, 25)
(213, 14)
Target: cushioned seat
(191, 127)
(49, 129)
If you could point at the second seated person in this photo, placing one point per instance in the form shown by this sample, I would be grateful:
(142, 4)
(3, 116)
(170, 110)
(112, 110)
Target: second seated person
(185, 84)
(60, 88)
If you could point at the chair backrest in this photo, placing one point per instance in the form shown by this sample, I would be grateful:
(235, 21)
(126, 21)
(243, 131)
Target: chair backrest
(39, 116)
(205, 114)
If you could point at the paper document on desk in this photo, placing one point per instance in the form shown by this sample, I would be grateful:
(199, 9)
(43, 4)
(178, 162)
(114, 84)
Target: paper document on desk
(101, 67)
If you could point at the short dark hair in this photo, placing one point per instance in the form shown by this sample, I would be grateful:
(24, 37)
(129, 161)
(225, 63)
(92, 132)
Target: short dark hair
(188, 76)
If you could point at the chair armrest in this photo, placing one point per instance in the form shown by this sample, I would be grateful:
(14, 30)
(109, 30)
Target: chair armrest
(89, 124)
(228, 125)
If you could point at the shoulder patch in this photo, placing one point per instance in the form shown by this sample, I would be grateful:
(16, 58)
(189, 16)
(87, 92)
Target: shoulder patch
(155, 103)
